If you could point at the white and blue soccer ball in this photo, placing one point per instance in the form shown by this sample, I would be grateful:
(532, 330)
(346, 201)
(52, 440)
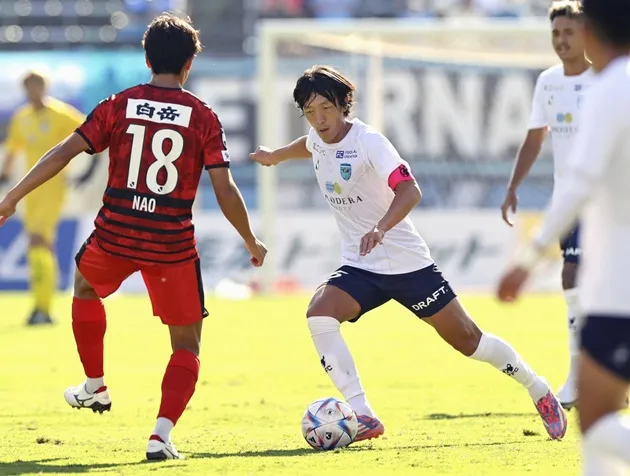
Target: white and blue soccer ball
(328, 424)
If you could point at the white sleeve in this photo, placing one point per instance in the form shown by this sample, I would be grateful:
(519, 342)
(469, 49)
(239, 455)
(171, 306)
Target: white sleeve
(603, 123)
(383, 156)
(538, 117)
(309, 140)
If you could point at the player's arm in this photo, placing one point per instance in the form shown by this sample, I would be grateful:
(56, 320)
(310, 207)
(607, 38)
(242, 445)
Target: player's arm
(527, 155)
(528, 152)
(7, 167)
(297, 149)
(91, 137)
(53, 162)
(217, 161)
(231, 202)
(587, 166)
(233, 207)
(72, 119)
(393, 169)
(14, 144)
(408, 195)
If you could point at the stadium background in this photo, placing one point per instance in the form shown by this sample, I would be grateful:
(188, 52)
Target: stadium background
(458, 126)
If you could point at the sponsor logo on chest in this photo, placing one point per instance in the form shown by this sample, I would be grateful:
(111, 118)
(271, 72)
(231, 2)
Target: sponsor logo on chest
(346, 154)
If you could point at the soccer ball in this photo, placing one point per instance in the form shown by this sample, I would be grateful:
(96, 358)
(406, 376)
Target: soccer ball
(328, 424)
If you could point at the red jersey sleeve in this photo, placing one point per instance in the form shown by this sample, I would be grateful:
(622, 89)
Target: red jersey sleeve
(97, 128)
(215, 152)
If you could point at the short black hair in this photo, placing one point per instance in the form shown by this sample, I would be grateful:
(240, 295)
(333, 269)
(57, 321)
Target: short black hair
(327, 82)
(33, 77)
(565, 8)
(169, 43)
(610, 19)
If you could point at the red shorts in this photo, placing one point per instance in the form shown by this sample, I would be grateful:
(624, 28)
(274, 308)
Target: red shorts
(176, 291)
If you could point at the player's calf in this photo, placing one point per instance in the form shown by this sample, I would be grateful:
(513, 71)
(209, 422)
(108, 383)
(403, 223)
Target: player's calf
(457, 328)
(89, 324)
(329, 307)
(178, 387)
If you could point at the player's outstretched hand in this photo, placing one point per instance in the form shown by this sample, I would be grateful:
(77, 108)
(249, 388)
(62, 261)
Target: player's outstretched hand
(257, 251)
(7, 209)
(264, 156)
(512, 283)
(509, 204)
(371, 240)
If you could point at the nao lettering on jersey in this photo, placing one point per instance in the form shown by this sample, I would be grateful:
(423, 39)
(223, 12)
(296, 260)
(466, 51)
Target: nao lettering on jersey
(144, 204)
(430, 300)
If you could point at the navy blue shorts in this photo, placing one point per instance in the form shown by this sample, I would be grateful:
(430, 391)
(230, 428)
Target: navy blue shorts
(607, 341)
(570, 246)
(424, 292)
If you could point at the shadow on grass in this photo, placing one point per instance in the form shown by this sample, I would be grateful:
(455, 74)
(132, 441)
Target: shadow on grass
(448, 416)
(434, 446)
(41, 466)
(275, 453)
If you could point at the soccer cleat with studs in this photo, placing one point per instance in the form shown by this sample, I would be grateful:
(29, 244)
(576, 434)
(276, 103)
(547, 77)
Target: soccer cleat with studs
(78, 397)
(159, 450)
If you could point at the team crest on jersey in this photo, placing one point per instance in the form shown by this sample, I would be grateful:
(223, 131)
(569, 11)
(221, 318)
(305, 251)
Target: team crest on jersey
(346, 171)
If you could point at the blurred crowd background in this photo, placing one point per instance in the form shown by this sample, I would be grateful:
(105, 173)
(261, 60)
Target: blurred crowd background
(226, 24)
(458, 122)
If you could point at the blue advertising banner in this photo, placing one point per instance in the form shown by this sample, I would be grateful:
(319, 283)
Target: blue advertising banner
(14, 271)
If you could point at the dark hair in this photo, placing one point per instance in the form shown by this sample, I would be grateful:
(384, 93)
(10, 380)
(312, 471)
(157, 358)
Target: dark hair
(169, 43)
(565, 8)
(610, 19)
(327, 82)
(34, 78)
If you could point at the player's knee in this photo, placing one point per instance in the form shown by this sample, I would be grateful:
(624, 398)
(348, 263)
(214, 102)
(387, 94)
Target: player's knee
(186, 338)
(320, 307)
(332, 302)
(37, 241)
(465, 340)
(83, 289)
(569, 275)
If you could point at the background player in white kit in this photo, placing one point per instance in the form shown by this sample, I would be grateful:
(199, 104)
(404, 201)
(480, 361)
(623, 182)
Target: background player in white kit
(597, 187)
(371, 190)
(557, 107)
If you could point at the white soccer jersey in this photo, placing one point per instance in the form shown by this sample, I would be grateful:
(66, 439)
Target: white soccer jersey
(597, 184)
(557, 105)
(353, 176)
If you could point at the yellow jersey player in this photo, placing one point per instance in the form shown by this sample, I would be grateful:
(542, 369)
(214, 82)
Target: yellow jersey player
(34, 129)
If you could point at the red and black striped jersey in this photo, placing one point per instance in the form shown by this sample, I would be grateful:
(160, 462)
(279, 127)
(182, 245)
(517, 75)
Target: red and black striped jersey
(159, 141)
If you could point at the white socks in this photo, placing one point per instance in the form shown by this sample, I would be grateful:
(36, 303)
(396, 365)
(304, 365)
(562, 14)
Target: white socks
(337, 361)
(93, 384)
(503, 357)
(606, 446)
(163, 428)
(571, 297)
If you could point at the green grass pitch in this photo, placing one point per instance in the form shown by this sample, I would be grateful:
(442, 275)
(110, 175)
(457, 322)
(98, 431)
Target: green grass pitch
(443, 414)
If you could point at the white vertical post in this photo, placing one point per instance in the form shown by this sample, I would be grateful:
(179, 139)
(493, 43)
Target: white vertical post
(375, 88)
(266, 176)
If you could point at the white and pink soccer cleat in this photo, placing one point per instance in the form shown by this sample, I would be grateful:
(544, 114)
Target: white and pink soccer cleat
(368, 428)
